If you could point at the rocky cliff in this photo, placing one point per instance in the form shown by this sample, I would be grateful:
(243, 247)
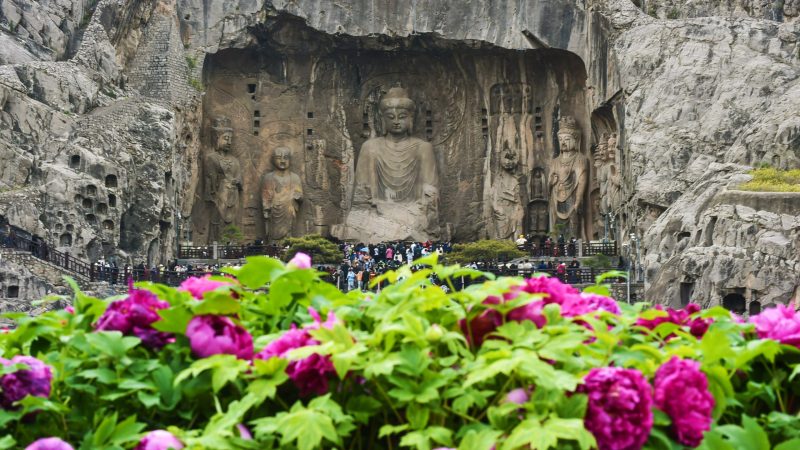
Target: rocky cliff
(103, 120)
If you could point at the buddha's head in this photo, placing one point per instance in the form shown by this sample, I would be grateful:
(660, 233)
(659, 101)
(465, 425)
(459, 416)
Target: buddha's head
(509, 159)
(397, 112)
(281, 158)
(568, 134)
(222, 134)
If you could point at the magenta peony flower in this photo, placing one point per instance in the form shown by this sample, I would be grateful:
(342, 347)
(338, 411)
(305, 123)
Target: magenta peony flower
(134, 315)
(682, 392)
(51, 443)
(35, 380)
(518, 396)
(697, 326)
(781, 323)
(557, 292)
(212, 335)
(618, 414)
(198, 286)
(309, 374)
(159, 440)
(301, 261)
(70, 309)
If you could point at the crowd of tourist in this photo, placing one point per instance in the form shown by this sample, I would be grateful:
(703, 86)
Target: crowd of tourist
(543, 245)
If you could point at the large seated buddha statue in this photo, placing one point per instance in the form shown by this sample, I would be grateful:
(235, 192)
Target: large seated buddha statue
(396, 191)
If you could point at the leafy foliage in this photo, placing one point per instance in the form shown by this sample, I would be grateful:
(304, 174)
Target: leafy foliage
(769, 179)
(406, 375)
(321, 250)
(484, 250)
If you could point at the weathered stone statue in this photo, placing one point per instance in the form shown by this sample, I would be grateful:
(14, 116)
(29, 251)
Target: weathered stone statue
(601, 172)
(281, 195)
(614, 175)
(568, 181)
(223, 178)
(506, 202)
(396, 190)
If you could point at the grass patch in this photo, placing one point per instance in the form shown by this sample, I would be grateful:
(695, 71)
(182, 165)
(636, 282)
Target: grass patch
(195, 83)
(769, 179)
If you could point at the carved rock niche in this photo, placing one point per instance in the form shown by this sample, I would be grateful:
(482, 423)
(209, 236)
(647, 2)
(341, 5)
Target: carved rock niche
(319, 96)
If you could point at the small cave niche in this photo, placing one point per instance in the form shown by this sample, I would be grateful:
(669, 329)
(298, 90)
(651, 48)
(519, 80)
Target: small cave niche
(12, 292)
(75, 162)
(687, 289)
(78, 198)
(87, 203)
(112, 200)
(101, 208)
(734, 302)
(111, 180)
(91, 190)
(59, 227)
(65, 240)
(755, 308)
(70, 227)
(92, 219)
(108, 224)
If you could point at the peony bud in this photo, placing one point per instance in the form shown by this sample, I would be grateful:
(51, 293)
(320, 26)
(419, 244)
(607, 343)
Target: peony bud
(434, 333)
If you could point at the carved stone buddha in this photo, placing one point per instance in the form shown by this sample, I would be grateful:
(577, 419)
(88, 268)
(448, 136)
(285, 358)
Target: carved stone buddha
(223, 177)
(281, 195)
(568, 180)
(396, 190)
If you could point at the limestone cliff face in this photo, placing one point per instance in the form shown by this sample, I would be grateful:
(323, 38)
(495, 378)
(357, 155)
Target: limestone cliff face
(103, 124)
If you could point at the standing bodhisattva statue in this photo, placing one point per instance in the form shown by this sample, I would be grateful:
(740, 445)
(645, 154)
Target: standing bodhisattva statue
(281, 194)
(568, 179)
(223, 178)
(396, 190)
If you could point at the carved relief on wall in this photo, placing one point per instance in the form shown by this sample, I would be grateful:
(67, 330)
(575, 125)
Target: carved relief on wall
(507, 211)
(471, 110)
(396, 184)
(223, 177)
(281, 196)
(568, 178)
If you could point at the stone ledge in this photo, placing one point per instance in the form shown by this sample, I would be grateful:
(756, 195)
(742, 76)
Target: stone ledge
(777, 202)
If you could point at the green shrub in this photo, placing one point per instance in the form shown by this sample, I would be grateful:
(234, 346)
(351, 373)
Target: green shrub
(484, 250)
(769, 179)
(395, 369)
(321, 250)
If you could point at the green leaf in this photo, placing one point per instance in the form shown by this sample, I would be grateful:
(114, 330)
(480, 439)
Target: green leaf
(259, 270)
(308, 428)
(417, 416)
(750, 435)
(387, 430)
(7, 442)
(715, 345)
(484, 439)
(173, 320)
(217, 303)
(792, 444)
(112, 343)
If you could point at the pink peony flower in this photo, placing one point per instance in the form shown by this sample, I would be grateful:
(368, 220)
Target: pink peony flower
(557, 292)
(35, 380)
(212, 335)
(159, 440)
(134, 315)
(518, 396)
(309, 374)
(301, 261)
(198, 286)
(697, 326)
(70, 309)
(781, 323)
(618, 414)
(681, 391)
(51, 443)
(244, 432)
